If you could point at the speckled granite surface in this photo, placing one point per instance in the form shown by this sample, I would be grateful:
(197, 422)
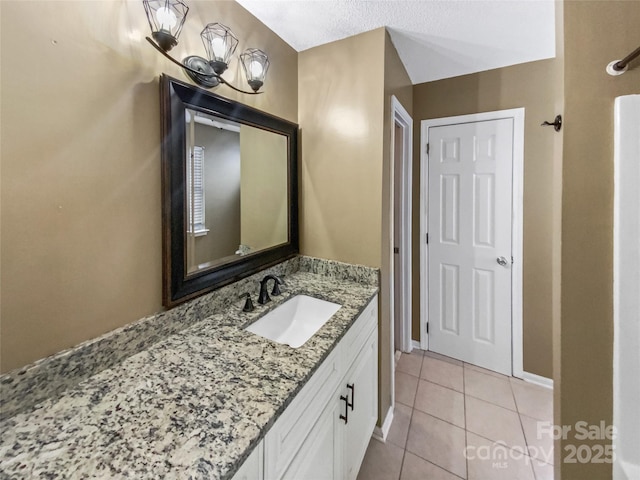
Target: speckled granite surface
(194, 400)
(21, 389)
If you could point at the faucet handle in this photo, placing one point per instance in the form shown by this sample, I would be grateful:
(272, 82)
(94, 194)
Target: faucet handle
(276, 286)
(248, 305)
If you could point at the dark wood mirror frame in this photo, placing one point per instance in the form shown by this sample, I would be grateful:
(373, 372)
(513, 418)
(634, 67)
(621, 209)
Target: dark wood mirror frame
(177, 96)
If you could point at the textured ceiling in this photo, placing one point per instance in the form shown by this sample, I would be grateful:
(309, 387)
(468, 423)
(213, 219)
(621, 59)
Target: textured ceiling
(434, 38)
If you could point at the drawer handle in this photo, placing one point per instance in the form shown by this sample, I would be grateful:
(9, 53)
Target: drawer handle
(345, 417)
(352, 387)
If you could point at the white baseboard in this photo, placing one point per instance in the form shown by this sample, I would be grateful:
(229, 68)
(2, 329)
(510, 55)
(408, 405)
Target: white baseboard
(380, 433)
(537, 380)
(415, 344)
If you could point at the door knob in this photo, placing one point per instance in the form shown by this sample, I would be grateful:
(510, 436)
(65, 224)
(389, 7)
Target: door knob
(501, 261)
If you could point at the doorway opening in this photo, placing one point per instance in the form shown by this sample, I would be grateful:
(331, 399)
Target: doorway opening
(400, 282)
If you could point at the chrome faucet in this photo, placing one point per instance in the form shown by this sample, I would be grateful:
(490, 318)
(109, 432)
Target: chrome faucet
(264, 296)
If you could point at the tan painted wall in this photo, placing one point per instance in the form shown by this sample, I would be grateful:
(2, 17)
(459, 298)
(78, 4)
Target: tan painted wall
(341, 96)
(596, 33)
(80, 153)
(340, 116)
(264, 200)
(536, 86)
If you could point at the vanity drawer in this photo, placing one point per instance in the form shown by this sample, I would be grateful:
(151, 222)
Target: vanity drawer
(358, 334)
(284, 439)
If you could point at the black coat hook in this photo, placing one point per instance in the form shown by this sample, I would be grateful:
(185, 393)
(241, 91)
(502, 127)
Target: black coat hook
(557, 123)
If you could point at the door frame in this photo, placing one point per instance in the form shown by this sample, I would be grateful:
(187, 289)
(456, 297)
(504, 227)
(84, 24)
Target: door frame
(517, 201)
(400, 116)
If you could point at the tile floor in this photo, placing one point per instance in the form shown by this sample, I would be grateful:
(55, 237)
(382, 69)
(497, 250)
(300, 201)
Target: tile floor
(453, 420)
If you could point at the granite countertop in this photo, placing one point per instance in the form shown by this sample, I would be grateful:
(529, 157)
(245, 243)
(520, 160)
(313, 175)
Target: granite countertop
(191, 406)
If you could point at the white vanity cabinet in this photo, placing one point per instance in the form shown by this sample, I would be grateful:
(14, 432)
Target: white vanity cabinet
(324, 432)
(362, 411)
(320, 455)
(251, 469)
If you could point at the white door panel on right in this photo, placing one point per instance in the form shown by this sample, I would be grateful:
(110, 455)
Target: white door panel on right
(469, 225)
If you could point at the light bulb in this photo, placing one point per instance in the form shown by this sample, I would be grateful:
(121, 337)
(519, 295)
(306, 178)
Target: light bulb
(166, 18)
(219, 47)
(256, 69)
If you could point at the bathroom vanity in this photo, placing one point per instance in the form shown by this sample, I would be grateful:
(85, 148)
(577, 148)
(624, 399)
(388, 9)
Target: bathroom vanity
(201, 397)
(325, 431)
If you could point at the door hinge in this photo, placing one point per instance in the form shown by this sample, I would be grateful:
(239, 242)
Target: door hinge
(427, 328)
(427, 235)
(427, 149)
(511, 260)
(396, 250)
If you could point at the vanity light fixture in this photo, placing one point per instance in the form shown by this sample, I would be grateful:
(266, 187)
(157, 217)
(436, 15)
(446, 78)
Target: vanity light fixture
(166, 18)
(255, 63)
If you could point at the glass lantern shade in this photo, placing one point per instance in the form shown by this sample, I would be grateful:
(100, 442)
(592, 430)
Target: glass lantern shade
(166, 18)
(255, 63)
(220, 43)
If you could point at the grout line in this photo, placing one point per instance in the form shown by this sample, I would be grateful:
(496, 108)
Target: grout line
(444, 358)
(404, 404)
(439, 466)
(443, 386)
(484, 371)
(492, 403)
(438, 418)
(488, 373)
(466, 432)
(515, 400)
(406, 440)
(404, 454)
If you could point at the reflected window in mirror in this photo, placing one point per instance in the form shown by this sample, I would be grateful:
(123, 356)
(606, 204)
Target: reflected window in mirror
(195, 191)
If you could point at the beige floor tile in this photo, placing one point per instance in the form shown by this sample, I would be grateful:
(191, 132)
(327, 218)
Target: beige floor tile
(382, 461)
(490, 388)
(410, 363)
(444, 358)
(441, 402)
(415, 468)
(442, 372)
(539, 440)
(469, 366)
(406, 386)
(493, 422)
(400, 425)
(417, 351)
(543, 471)
(490, 461)
(438, 442)
(532, 400)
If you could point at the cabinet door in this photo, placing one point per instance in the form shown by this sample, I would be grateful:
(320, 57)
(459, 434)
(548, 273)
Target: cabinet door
(362, 417)
(251, 469)
(290, 431)
(320, 455)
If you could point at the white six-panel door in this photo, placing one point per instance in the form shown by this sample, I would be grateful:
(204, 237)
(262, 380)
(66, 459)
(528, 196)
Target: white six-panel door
(469, 250)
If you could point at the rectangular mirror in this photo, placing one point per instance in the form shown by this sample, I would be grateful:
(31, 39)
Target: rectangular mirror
(229, 190)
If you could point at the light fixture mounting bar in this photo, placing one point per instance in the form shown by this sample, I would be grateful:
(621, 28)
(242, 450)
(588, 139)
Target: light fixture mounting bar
(196, 72)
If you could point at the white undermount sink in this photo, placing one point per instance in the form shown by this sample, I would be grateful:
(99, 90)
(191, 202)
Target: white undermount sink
(295, 321)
